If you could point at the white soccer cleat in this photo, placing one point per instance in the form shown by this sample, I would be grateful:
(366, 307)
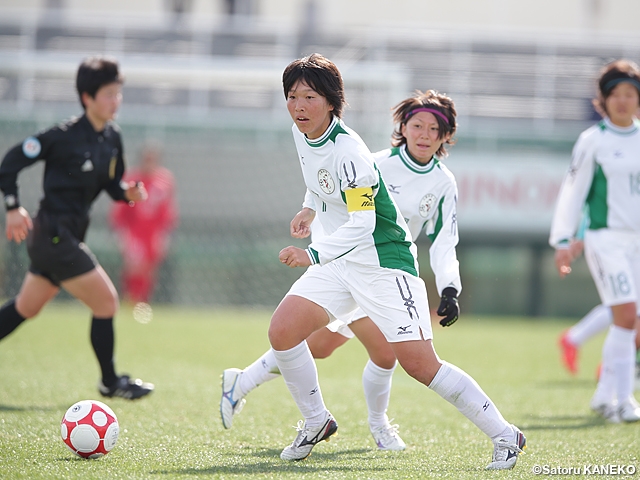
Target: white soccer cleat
(387, 437)
(607, 410)
(629, 410)
(506, 450)
(308, 437)
(230, 406)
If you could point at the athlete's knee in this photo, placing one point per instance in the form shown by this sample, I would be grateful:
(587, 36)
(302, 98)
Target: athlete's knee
(276, 334)
(420, 370)
(624, 315)
(386, 360)
(381, 353)
(106, 307)
(27, 309)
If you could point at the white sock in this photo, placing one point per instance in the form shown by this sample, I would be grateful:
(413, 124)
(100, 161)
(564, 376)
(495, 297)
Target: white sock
(594, 322)
(624, 360)
(377, 390)
(262, 370)
(618, 359)
(463, 392)
(301, 376)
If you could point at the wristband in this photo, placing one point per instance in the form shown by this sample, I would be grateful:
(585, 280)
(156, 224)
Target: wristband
(11, 202)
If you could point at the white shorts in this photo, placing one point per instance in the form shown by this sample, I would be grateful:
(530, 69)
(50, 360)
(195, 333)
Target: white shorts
(341, 325)
(338, 326)
(614, 261)
(396, 301)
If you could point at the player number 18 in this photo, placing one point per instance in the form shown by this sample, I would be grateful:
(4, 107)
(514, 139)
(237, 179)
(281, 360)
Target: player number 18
(619, 284)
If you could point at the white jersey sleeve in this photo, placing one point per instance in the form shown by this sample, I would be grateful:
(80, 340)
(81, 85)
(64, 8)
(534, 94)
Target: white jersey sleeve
(574, 190)
(427, 198)
(309, 201)
(442, 230)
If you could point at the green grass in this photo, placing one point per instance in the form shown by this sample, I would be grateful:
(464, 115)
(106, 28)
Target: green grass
(47, 365)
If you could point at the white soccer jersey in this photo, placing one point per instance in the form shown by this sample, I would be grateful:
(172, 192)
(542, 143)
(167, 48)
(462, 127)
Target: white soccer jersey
(605, 175)
(427, 196)
(335, 167)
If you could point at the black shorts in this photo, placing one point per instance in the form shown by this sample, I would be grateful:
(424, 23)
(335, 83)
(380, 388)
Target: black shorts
(56, 248)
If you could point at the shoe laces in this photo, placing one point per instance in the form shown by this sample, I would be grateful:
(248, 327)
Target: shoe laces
(388, 431)
(302, 430)
(502, 446)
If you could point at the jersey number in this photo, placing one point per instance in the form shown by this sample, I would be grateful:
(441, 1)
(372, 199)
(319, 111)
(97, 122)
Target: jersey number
(619, 284)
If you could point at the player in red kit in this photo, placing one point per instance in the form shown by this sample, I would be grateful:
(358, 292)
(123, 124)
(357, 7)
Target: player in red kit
(144, 231)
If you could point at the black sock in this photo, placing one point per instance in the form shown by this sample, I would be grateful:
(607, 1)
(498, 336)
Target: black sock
(102, 340)
(10, 319)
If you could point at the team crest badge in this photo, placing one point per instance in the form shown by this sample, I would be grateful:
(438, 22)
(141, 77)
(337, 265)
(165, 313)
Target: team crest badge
(87, 166)
(426, 204)
(31, 147)
(326, 181)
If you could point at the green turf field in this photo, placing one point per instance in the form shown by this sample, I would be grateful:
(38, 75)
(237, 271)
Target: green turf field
(47, 365)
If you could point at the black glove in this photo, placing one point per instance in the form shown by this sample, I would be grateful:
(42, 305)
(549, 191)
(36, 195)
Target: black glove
(449, 307)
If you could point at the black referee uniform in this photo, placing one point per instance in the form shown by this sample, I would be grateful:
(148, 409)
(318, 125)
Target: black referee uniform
(79, 164)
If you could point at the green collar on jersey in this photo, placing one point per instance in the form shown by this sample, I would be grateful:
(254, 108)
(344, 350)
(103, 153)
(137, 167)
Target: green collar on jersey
(606, 124)
(412, 164)
(334, 129)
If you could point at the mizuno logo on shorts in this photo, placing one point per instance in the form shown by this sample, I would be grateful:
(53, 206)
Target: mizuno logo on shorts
(404, 330)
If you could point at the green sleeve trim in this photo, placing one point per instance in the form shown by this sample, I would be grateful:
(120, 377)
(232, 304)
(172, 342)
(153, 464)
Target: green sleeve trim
(313, 254)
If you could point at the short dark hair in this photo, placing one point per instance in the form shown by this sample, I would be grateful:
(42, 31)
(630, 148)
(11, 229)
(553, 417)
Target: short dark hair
(319, 73)
(94, 73)
(439, 103)
(612, 74)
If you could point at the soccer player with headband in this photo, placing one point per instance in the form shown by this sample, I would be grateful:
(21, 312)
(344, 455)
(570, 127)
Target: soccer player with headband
(366, 259)
(605, 175)
(426, 193)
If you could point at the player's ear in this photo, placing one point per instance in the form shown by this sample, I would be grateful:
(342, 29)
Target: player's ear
(85, 97)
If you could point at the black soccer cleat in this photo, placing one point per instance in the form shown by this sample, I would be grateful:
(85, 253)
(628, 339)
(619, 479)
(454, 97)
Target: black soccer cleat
(127, 388)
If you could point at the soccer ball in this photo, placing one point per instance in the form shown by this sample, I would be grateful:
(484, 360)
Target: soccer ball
(90, 429)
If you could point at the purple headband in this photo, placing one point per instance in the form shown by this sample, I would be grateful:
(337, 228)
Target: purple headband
(430, 110)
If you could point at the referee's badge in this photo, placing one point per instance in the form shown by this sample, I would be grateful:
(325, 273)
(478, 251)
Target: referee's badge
(326, 181)
(426, 204)
(87, 166)
(31, 147)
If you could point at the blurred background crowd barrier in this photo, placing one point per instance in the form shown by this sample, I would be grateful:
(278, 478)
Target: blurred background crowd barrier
(204, 82)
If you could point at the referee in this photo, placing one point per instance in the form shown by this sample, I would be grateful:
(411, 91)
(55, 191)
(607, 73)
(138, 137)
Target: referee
(82, 157)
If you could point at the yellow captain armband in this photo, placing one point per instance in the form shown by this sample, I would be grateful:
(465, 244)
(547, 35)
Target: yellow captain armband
(360, 199)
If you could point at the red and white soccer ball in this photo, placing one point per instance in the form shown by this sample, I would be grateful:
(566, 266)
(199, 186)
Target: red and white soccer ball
(90, 429)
